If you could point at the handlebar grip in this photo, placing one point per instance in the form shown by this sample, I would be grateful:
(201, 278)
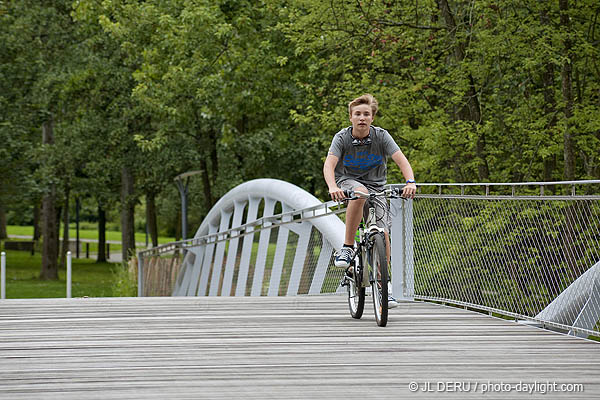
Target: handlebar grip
(348, 193)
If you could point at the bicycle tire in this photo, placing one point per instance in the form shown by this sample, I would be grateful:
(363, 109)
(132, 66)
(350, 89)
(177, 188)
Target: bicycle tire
(378, 269)
(356, 295)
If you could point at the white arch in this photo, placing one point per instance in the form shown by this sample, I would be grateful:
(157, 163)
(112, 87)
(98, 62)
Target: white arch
(291, 196)
(210, 269)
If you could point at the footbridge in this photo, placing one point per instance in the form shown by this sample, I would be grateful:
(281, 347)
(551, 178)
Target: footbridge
(526, 251)
(499, 283)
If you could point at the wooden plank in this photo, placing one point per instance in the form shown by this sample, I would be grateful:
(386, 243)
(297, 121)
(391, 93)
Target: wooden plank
(272, 347)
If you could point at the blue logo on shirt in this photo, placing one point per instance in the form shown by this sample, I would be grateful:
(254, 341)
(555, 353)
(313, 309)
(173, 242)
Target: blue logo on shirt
(363, 161)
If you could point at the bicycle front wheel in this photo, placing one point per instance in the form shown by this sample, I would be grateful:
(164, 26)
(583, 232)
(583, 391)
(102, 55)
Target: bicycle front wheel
(378, 268)
(356, 295)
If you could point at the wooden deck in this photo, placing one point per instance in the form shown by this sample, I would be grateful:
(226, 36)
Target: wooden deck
(284, 348)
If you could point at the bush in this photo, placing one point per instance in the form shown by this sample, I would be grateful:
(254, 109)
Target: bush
(125, 279)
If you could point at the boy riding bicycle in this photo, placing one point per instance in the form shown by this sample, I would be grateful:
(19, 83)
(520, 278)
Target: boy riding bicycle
(363, 150)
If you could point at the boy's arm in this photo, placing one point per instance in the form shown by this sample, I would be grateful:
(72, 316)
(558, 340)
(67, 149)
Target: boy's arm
(329, 173)
(402, 162)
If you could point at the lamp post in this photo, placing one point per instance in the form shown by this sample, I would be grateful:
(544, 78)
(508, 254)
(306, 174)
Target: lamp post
(182, 181)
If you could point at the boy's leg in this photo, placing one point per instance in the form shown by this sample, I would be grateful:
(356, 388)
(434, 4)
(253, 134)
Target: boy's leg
(388, 248)
(354, 213)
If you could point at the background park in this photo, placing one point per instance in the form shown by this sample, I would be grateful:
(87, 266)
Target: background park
(104, 103)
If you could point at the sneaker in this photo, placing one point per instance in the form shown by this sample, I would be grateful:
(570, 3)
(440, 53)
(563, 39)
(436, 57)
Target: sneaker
(343, 257)
(392, 302)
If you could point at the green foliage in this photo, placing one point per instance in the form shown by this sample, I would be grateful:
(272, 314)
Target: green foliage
(88, 279)
(425, 73)
(86, 231)
(241, 90)
(125, 281)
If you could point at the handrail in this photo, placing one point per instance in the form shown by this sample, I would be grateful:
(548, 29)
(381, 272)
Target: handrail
(581, 182)
(294, 216)
(513, 186)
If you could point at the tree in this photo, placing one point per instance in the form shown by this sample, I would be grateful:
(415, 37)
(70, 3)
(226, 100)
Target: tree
(17, 137)
(38, 38)
(473, 89)
(216, 94)
(49, 215)
(567, 90)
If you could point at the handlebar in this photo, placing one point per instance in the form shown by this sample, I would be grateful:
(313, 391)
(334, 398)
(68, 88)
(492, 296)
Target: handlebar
(388, 193)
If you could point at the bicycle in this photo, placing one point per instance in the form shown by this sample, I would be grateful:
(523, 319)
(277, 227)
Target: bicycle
(370, 264)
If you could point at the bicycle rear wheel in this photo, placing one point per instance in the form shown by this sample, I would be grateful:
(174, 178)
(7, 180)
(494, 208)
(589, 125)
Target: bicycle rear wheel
(378, 269)
(356, 294)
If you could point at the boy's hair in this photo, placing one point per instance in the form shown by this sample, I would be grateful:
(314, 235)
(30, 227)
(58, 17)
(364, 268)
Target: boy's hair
(364, 99)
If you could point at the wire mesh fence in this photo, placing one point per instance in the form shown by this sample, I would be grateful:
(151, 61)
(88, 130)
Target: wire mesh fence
(522, 256)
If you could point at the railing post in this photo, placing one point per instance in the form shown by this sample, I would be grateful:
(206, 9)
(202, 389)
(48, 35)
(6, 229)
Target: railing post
(402, 249)
(3, 277)
(69, 267)
(140, 263)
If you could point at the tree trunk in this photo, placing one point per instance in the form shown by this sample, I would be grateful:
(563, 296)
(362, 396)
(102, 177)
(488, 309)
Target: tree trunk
(549, 110)
(101, 234)
(151, 218)
(208, 199)
(58, 214)
(214, 160)
(65, 241)
(567, 91)
(475, 116)
(3, 234)
(549, 103)
(49, 222)
(37, 232)
(471, 111)
(49, 236)
(127, 213)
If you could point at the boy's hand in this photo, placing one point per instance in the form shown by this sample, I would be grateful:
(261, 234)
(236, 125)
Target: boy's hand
(409, 191)
(337, 194)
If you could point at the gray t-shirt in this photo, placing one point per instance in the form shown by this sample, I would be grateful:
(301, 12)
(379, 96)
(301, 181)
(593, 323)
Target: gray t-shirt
(365, 164)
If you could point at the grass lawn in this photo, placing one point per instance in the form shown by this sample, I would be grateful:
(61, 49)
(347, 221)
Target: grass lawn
(85, 234)
(88, 279)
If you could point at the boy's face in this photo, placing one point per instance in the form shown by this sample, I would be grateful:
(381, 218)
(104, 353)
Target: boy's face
(361, 118)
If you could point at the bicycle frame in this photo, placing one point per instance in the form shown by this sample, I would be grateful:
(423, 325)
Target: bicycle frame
(370, 265)
(365, 233)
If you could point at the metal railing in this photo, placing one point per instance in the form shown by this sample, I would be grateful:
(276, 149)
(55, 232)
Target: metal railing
(527, 251)
(69, 268)
(297, 259)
